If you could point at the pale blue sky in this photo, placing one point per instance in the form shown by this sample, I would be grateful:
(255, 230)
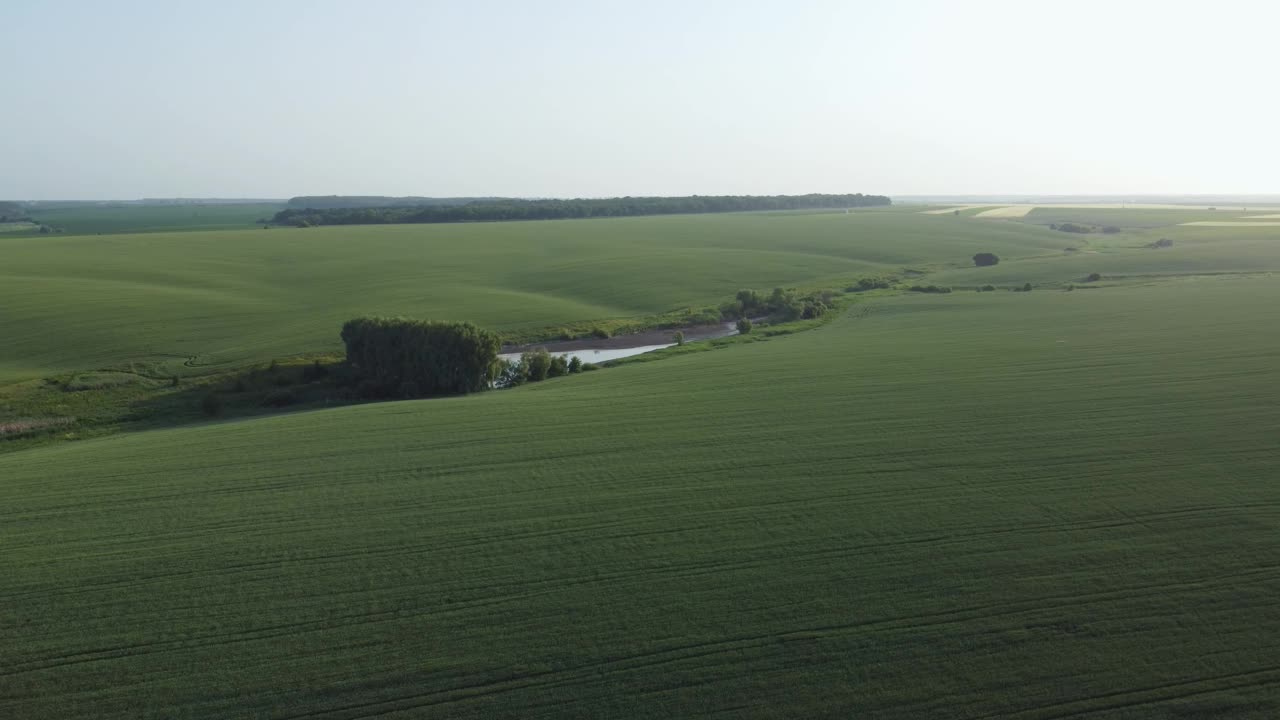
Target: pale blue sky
(272, 99)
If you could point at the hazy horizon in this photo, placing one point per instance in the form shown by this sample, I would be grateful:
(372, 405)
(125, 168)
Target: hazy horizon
(152, 100)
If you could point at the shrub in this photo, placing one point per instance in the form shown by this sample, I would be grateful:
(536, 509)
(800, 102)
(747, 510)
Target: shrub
(870, 283)
(744, 325)
(937, 289)
(600, 333)
(559, 367)
(1111, 230)
(588, 367)
(538, 364)
(812, 310)
(986, 259)
(279, 398)
(1093, 277)
(988, 288)
(211, 404)
(1026, 288)
(575, 364)
(1161, 243)
(441, 357)
(1075, 228)
(678, 337)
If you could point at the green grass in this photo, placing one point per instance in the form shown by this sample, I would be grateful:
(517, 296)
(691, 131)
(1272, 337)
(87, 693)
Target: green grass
(1036, 505)
(181, 303)
(111, 219)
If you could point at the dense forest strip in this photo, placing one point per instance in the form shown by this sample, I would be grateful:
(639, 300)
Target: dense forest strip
(486, 210)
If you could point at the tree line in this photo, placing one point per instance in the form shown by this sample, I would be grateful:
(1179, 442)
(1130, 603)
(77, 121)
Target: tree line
(510, 209)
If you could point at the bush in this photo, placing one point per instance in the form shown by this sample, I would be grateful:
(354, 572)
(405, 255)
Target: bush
(537, 363)
(575, 364)
(1161, 243)
(600, 333)
(937, 289)
(870, 283)
(509, 374)
(678, 337)
(589, 367)
(1026, 288)
(440, 357)
(1093, 277)
(211, 404)
(988, 288)
(279, 398)
(1111, 230)
(559, 367)
(1074, 228)
(744, 326)
(986, 259)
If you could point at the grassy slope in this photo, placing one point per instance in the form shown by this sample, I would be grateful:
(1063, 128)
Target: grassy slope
(79, 303)
(1196, 251)
(974, 505)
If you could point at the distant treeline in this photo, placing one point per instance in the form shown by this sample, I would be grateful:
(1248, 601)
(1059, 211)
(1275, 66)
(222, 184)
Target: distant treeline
(507, 209)
(328, 202)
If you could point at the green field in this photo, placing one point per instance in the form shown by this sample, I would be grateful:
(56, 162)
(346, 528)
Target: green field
(111, 219)
(974, 505)
(190, 301)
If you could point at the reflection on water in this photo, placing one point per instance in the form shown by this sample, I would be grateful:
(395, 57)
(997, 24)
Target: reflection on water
(596, 356)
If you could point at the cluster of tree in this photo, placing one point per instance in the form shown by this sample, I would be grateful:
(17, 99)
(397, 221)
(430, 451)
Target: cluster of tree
(13, 212)
(938, 289)
(380, 201)
(1079, 228)
(870, 283)
(510, 209)
(415, 358)
(1161, 243)
(782, 304)
(986, 259)
(992, 288)
(536, 366)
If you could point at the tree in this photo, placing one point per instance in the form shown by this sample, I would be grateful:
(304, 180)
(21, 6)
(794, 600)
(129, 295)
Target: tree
(744, 326)
(986, 259)
(559, 367)
(439, 358)
(1026, 288)
(538, 363)
(678, 337)
(575, 364)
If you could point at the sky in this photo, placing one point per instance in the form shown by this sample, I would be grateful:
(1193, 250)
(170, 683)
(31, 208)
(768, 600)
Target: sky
(598, 98)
